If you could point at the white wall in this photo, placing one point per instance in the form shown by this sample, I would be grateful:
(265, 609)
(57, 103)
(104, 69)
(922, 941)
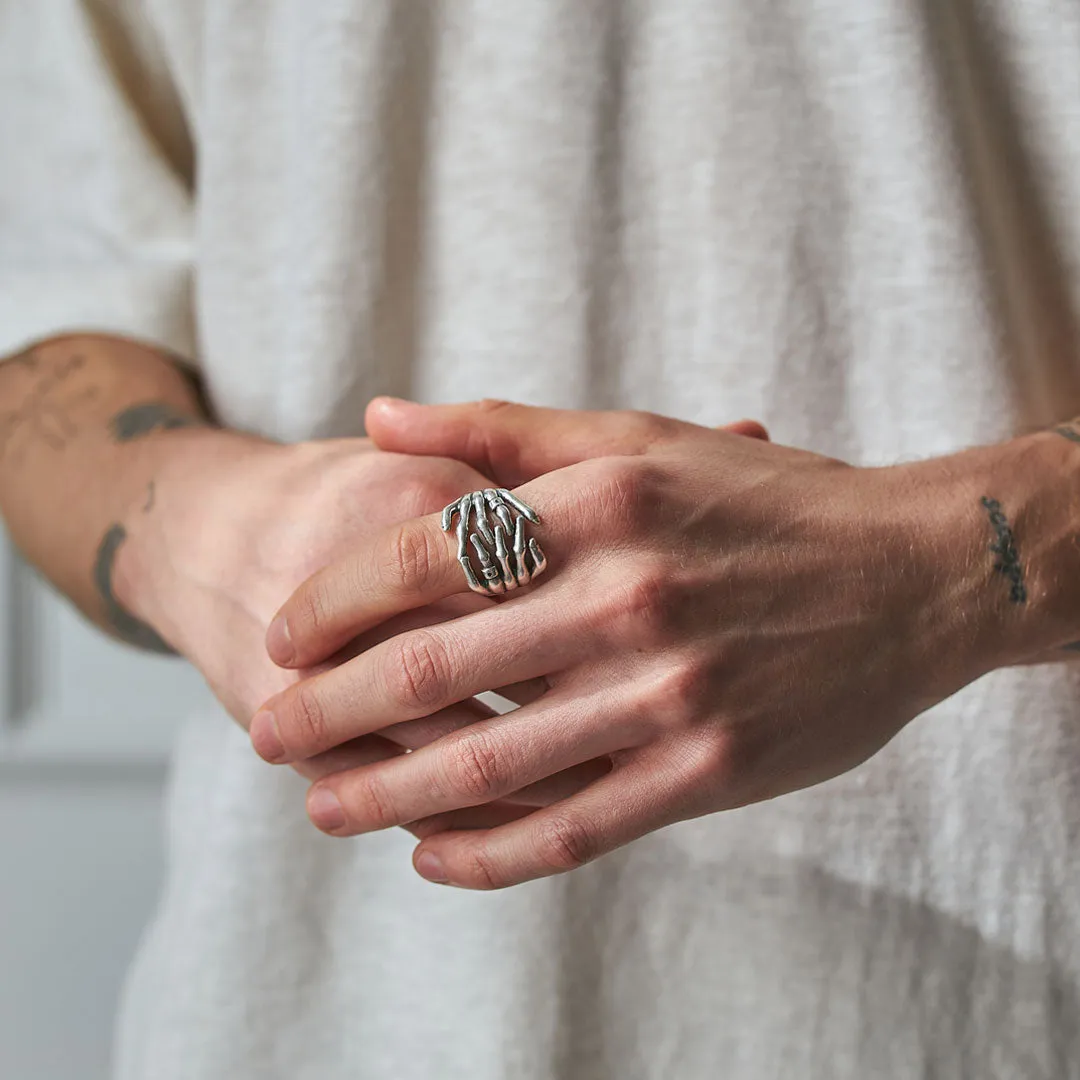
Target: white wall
(80, 869)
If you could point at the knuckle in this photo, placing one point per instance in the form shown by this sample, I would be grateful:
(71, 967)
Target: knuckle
(641, 611)
(369, 805)
(712, 764)
(487, 445)
(681, 692)
(477, 769)
(413, 558)
(565, 843)
(307, 716)
(419, 671)
(622, 494)
(310, 613)
(494, 405)
(646, 428)
(480, 871)
(616, 486)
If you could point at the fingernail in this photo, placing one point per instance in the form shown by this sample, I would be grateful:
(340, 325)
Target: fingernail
(324, 809)
(279, 641)
(388, 402)
(429, 865)
(265, 738)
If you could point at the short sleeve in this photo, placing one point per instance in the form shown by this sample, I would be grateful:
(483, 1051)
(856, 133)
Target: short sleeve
(96, 190)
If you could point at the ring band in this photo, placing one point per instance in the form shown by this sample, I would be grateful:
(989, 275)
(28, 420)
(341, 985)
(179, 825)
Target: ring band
(504, 559)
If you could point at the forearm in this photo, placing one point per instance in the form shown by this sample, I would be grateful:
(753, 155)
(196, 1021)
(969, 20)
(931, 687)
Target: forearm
(85, 423)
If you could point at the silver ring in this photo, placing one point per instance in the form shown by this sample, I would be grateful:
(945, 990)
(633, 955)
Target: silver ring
(504, 559)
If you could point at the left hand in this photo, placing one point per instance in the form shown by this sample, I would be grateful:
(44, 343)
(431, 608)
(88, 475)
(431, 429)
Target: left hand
(725, 619)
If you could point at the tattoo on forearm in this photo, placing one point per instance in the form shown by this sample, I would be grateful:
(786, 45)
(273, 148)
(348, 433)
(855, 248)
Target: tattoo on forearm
(132, 423)
(50, 410)
(137, 420)
(126, 627)
(1004, 547)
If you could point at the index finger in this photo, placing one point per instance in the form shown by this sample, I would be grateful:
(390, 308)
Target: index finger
(406, 566)
(410, 565)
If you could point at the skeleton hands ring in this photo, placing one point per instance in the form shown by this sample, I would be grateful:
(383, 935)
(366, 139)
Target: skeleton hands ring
(503, 557)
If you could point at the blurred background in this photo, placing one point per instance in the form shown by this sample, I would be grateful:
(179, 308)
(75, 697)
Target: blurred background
(85, 729)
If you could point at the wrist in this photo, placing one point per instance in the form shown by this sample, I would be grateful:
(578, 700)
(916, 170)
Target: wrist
(994, 543)
(174, 529)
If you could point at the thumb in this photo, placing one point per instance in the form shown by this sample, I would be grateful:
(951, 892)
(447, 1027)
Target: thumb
(513, 443)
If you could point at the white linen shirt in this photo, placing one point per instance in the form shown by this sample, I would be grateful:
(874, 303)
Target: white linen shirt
(858, 222)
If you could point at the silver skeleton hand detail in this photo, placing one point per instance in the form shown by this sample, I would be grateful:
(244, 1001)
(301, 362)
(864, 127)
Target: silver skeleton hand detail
(505, 559)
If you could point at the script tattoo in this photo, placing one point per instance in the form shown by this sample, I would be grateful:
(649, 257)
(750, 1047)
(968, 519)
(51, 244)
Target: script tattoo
(1004, 547)
(50, 410)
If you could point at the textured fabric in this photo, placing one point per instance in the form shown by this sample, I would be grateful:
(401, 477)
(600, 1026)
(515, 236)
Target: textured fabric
(859, 222)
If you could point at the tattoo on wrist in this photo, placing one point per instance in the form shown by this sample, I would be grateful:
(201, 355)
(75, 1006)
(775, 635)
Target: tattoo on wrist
(50, 410)
(129, 424)
(138, 420)
(123, 624)
(132, 423)
(1004, 547)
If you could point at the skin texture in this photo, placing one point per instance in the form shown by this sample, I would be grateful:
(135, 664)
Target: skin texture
(70, 471)
(700, 585)
(237, 527)
(174, 535)
(724, 619)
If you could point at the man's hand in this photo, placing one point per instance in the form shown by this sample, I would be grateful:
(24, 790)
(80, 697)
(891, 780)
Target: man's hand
(725, 619)
(236, 523)
(119, 488)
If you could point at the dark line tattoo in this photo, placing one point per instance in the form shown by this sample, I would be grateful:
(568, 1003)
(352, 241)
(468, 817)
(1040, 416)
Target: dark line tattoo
(1008, 564)
(128, 424)
(123, 623)
(137, 420)
(1073, 646)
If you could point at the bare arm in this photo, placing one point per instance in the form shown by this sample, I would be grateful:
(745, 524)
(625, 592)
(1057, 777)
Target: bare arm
(84, 424)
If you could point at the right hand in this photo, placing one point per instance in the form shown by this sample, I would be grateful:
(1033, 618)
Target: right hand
(237, 523)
